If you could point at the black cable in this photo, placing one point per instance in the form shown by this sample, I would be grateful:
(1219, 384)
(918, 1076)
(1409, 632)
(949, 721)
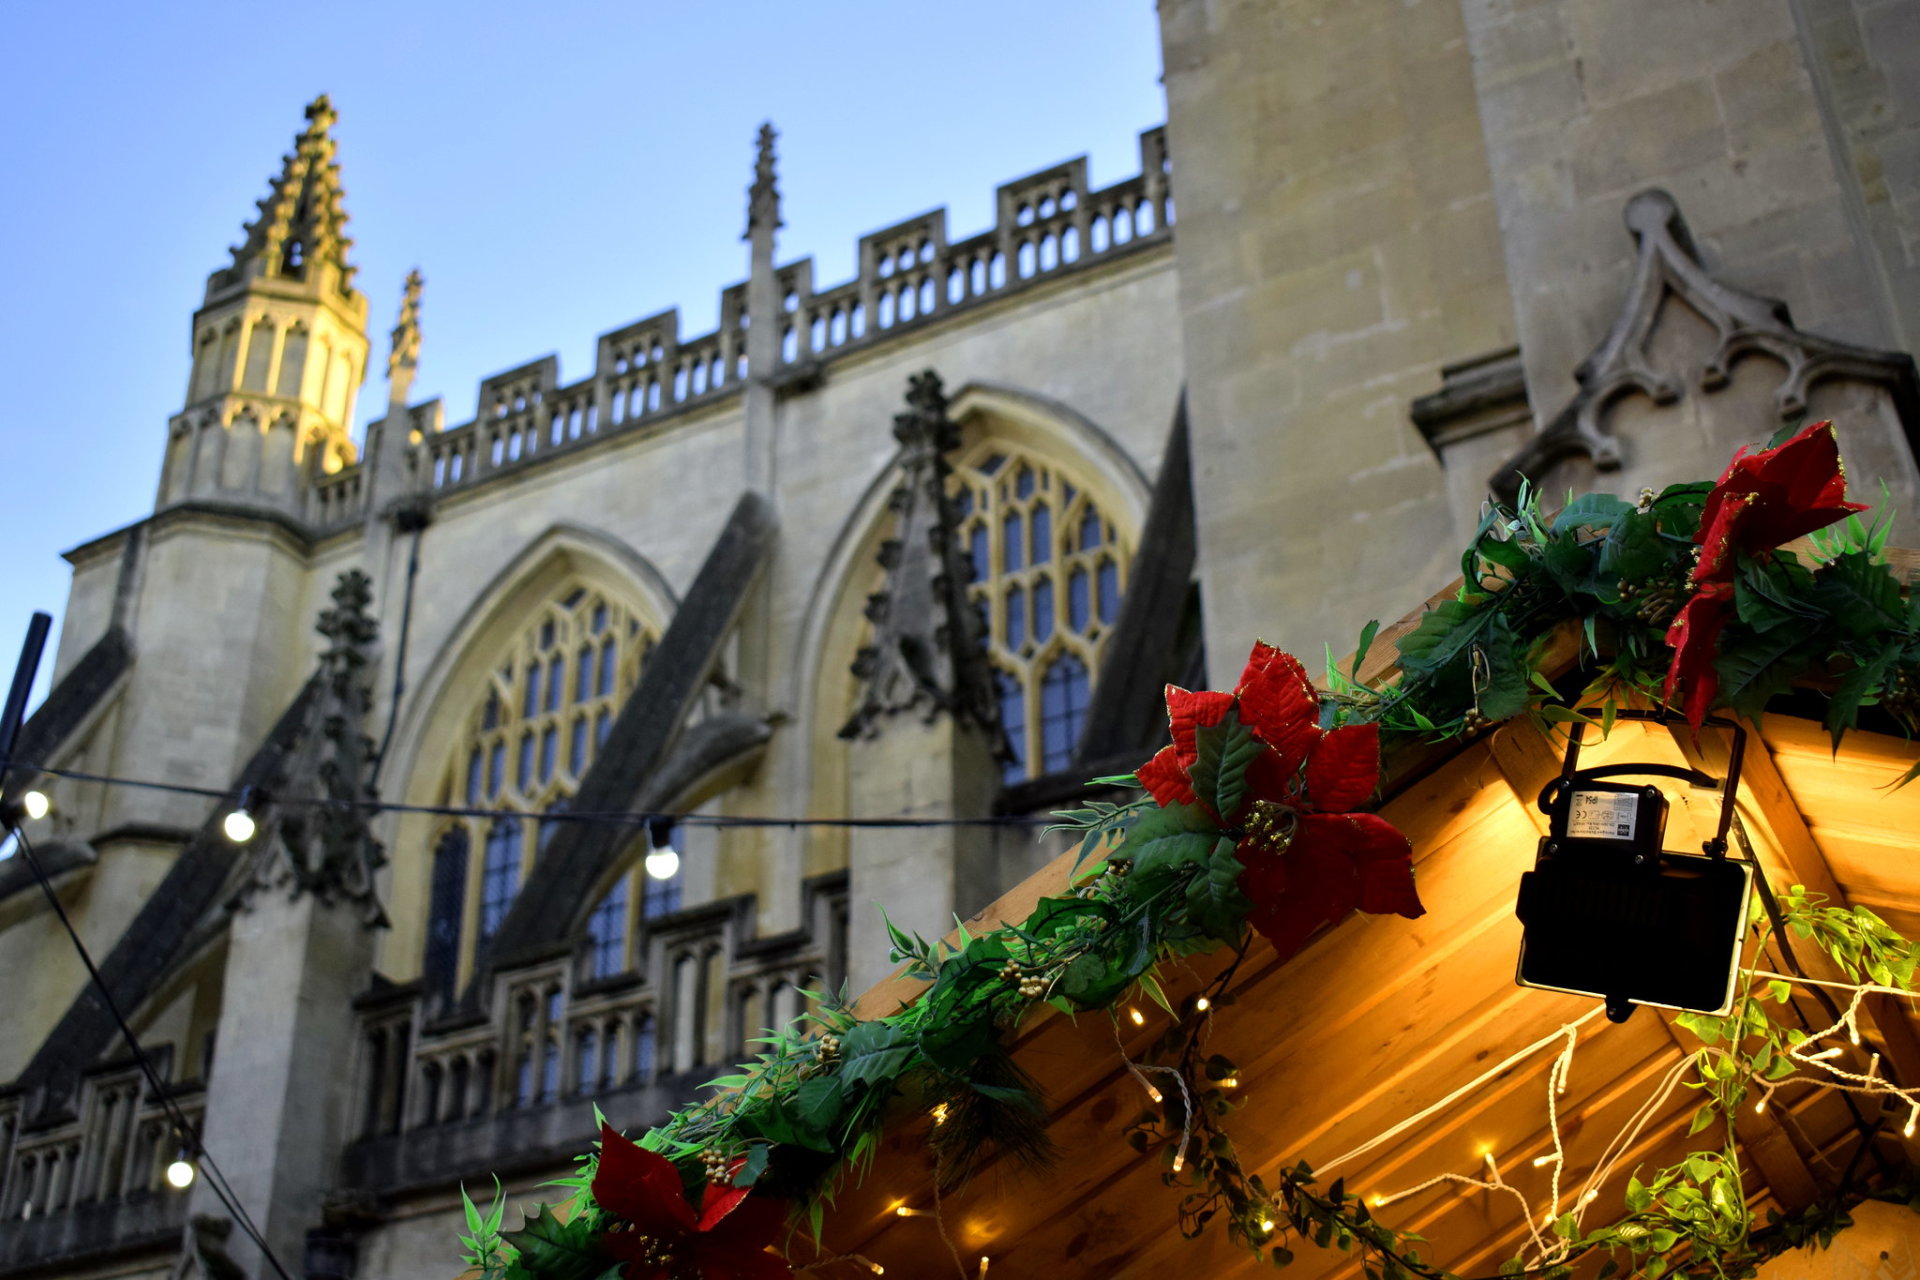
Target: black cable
(216, 1180)
(607, 817)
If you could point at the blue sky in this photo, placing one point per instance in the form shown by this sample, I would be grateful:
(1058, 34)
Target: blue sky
(554, 170)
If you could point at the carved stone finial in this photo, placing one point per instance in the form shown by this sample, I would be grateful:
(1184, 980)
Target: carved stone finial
(763, 197)
(1744, 324)
(302, 220)
(324, 845)
(406, 334)
(928, 649)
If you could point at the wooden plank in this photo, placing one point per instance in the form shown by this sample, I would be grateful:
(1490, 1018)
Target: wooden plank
(1767, 800)
(1527, 760)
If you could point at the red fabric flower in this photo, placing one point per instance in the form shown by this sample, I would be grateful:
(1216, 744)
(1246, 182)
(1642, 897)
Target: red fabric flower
(665, 1238)
(1308, 859)
(1762, 500)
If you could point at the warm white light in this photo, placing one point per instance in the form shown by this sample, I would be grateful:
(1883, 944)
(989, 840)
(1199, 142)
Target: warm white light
(1203, 1004)
(1179, 1161)
(982, 1273)
(1153, 1093)
(1589, 1198)
(940, 1113)
(1760, 1107)
(180, 1174)
(1824, 1054)
(663, 864)
(1231, 1082)
(1913, 1118)
(1266, 1226)
(36, 804)
(877, 1268)
(238, 826)
(1541, 1162)
(1853, 1033)
(1139, 1018)
(905, 1212)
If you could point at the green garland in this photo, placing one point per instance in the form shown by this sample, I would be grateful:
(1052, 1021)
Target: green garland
(810, 1109)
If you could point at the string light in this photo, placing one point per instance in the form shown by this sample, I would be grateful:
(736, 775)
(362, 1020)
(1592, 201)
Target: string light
(1179, 1161)
(874, 1267)
(1541, 1162)
(985, 1261)
(1139, 1018)
(662, 860)
(1155, 1094)
(905, 1212)
(35, 804)
(1266, 1225)
(180, 1174)
(239, 826)
(1231, 1082)
(1913, 1119)
(1825, 1054)
(1202, 1005)
(940, 1113)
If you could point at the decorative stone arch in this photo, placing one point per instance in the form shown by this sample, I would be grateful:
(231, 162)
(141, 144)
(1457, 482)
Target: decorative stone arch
(834, 619)
(435, 717)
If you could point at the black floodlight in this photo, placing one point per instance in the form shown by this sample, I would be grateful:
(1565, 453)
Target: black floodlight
(1609, 912)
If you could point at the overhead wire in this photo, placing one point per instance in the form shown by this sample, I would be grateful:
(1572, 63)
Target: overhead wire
(188, 1133)
(636, 818)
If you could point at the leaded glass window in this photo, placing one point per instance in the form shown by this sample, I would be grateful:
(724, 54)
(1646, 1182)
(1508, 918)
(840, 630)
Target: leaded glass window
(531, 735)
(1049, 564)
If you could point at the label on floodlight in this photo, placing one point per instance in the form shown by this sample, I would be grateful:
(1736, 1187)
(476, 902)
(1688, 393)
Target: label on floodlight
(1603, 815)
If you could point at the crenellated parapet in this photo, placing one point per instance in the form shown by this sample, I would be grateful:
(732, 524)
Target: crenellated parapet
(1048, 225)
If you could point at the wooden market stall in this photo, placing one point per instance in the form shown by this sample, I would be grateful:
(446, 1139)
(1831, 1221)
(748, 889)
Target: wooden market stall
(1381, 1020)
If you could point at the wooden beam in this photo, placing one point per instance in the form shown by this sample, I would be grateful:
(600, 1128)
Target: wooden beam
(1766, 798)
(1528, 760)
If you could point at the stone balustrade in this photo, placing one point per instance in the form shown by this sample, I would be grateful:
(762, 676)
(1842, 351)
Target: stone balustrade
(1047, 224)
(445, 1089)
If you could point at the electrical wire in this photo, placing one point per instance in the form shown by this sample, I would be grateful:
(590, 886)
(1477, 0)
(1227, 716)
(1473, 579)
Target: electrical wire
(602, 817)
(216, 1180)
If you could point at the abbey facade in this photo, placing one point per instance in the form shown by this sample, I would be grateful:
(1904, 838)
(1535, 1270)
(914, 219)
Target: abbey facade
(921, 545)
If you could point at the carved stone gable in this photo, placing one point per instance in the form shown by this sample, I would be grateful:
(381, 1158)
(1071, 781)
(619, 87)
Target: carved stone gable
(1669, 268)
(928, 651)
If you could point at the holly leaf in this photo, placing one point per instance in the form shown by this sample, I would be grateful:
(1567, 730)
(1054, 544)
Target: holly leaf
(874, 1053)
(1214, 898)
(556, 1250)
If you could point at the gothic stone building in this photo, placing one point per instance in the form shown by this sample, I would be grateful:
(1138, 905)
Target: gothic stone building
(920, 544)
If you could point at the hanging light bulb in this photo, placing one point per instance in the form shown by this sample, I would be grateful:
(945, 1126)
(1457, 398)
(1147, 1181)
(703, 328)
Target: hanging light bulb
(35, 804)
(239, 825)
(663, 860)
(180, 1174)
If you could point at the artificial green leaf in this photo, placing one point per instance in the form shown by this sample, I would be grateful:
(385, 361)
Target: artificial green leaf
(817, 1102)
(1172, 853)
(1591, 511)
(1214, 899)
(1443, 636)
(1009, 1095)
(1238, 749)
(1663, 1239)
(873, 1053)
(1862, 598)
(755, 1165)
(556, 1250)
(1367, 633)
(1753, 668)
(1507, 688)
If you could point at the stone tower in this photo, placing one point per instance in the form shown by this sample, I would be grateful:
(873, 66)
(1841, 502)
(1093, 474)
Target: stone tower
(279, 346)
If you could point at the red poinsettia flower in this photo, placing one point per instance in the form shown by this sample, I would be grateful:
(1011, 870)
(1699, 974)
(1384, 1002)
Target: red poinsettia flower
(663, 1237)
(1308, 859)
(1762, 500)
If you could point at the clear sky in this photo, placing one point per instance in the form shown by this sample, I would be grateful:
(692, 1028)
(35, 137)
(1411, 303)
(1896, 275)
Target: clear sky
(556, 170)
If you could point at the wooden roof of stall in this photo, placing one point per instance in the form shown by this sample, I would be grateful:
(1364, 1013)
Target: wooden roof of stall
(1379, 1018)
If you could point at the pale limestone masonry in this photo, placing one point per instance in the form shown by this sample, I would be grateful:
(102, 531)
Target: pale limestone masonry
(1420, 246)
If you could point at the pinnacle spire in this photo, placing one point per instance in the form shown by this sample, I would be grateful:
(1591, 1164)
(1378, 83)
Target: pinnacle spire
(302, 222)
(927, 652)
(405, 353)
(763, 197)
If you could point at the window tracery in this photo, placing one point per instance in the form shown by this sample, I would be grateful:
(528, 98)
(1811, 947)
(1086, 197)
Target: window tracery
(1049, 565)
(542, 715)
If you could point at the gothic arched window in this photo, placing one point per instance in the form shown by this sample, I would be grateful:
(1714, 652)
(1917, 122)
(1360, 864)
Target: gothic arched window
(446, 905)
(1049, 565)
(532, 732)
